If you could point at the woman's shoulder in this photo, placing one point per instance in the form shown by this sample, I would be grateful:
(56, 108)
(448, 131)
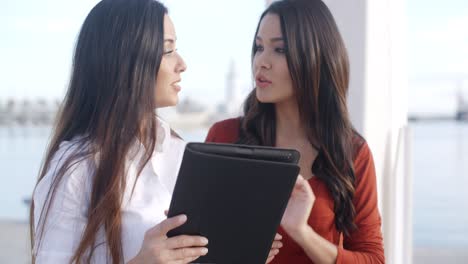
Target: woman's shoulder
(225, 131)
(67, 148)
(363, 160)
(73, 161)
(360, 146)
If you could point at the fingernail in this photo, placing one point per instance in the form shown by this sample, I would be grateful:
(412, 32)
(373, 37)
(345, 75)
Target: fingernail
(205, 240)
(182, 218)
(204, 251)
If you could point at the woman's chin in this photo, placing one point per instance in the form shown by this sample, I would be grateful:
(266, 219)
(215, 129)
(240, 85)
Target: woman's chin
(263, 98)
(169, 102)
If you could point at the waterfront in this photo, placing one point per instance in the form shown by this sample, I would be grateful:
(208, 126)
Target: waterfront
(440, 167)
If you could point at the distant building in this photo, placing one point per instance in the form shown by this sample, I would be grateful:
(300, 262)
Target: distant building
(28, 112)
(233, 96)
(190, 106)
(462, 105)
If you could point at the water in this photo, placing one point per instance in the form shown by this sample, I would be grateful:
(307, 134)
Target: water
(440, 189)
(21, 153)
(440, 166)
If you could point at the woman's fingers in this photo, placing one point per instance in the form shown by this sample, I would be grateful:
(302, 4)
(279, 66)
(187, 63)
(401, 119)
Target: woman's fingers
(277, 245)
(186, 260)
(157, 247)
(269, 259)
(168, 224)
(302, 187)
(278, 236)
(184, 241)
(188, 253)
(301, 182)
(273, 252)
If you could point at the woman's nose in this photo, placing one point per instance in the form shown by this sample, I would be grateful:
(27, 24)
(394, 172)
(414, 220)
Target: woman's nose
(181, 66)
(262, 61)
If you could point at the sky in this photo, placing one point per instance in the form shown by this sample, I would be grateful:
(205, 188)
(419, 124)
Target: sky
(38, 37)
(437, 54)
(438, 36)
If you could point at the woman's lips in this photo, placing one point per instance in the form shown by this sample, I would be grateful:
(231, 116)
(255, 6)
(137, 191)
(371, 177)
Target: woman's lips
(176, 85)
(262, 82)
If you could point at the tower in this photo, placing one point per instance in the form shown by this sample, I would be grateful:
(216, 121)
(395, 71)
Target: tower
(232, 100)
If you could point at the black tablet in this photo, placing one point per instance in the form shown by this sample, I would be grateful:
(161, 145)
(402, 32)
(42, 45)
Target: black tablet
(235, 195)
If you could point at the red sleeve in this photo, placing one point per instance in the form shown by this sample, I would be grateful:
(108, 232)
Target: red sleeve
(365, 244)
(211, 137)
(226, 131)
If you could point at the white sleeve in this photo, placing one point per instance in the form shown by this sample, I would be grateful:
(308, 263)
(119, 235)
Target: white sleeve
(66, 219)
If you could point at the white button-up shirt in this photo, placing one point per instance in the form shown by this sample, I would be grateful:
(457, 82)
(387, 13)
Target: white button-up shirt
(141, 210)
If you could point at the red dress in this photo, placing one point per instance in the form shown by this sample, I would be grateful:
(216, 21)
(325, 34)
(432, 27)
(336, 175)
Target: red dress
(365, 244)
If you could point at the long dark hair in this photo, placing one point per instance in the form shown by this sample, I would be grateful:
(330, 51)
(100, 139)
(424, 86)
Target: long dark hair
(110, 103)
(318, 65)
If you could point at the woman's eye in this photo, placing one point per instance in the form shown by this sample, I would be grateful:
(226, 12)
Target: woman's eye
(168, 52)
(258, 48)
(280, 50)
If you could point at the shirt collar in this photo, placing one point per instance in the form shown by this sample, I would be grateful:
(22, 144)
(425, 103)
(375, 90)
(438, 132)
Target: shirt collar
(163, 135)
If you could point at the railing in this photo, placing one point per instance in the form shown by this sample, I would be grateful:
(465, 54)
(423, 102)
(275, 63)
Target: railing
(398, 200)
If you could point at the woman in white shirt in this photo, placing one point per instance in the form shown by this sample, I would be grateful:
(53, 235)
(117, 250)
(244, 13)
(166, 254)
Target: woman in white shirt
(111, 165)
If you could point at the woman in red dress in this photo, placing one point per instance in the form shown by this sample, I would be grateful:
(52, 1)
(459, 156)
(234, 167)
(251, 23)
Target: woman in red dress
(301, 72)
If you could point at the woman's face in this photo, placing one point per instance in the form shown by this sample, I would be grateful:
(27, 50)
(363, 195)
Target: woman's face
(272, 78)
(172, 65)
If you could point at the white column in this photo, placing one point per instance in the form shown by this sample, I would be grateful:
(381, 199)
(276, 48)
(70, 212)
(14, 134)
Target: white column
(375, 32)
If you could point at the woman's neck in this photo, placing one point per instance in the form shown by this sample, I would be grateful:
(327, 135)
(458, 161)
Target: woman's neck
(288, 121)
